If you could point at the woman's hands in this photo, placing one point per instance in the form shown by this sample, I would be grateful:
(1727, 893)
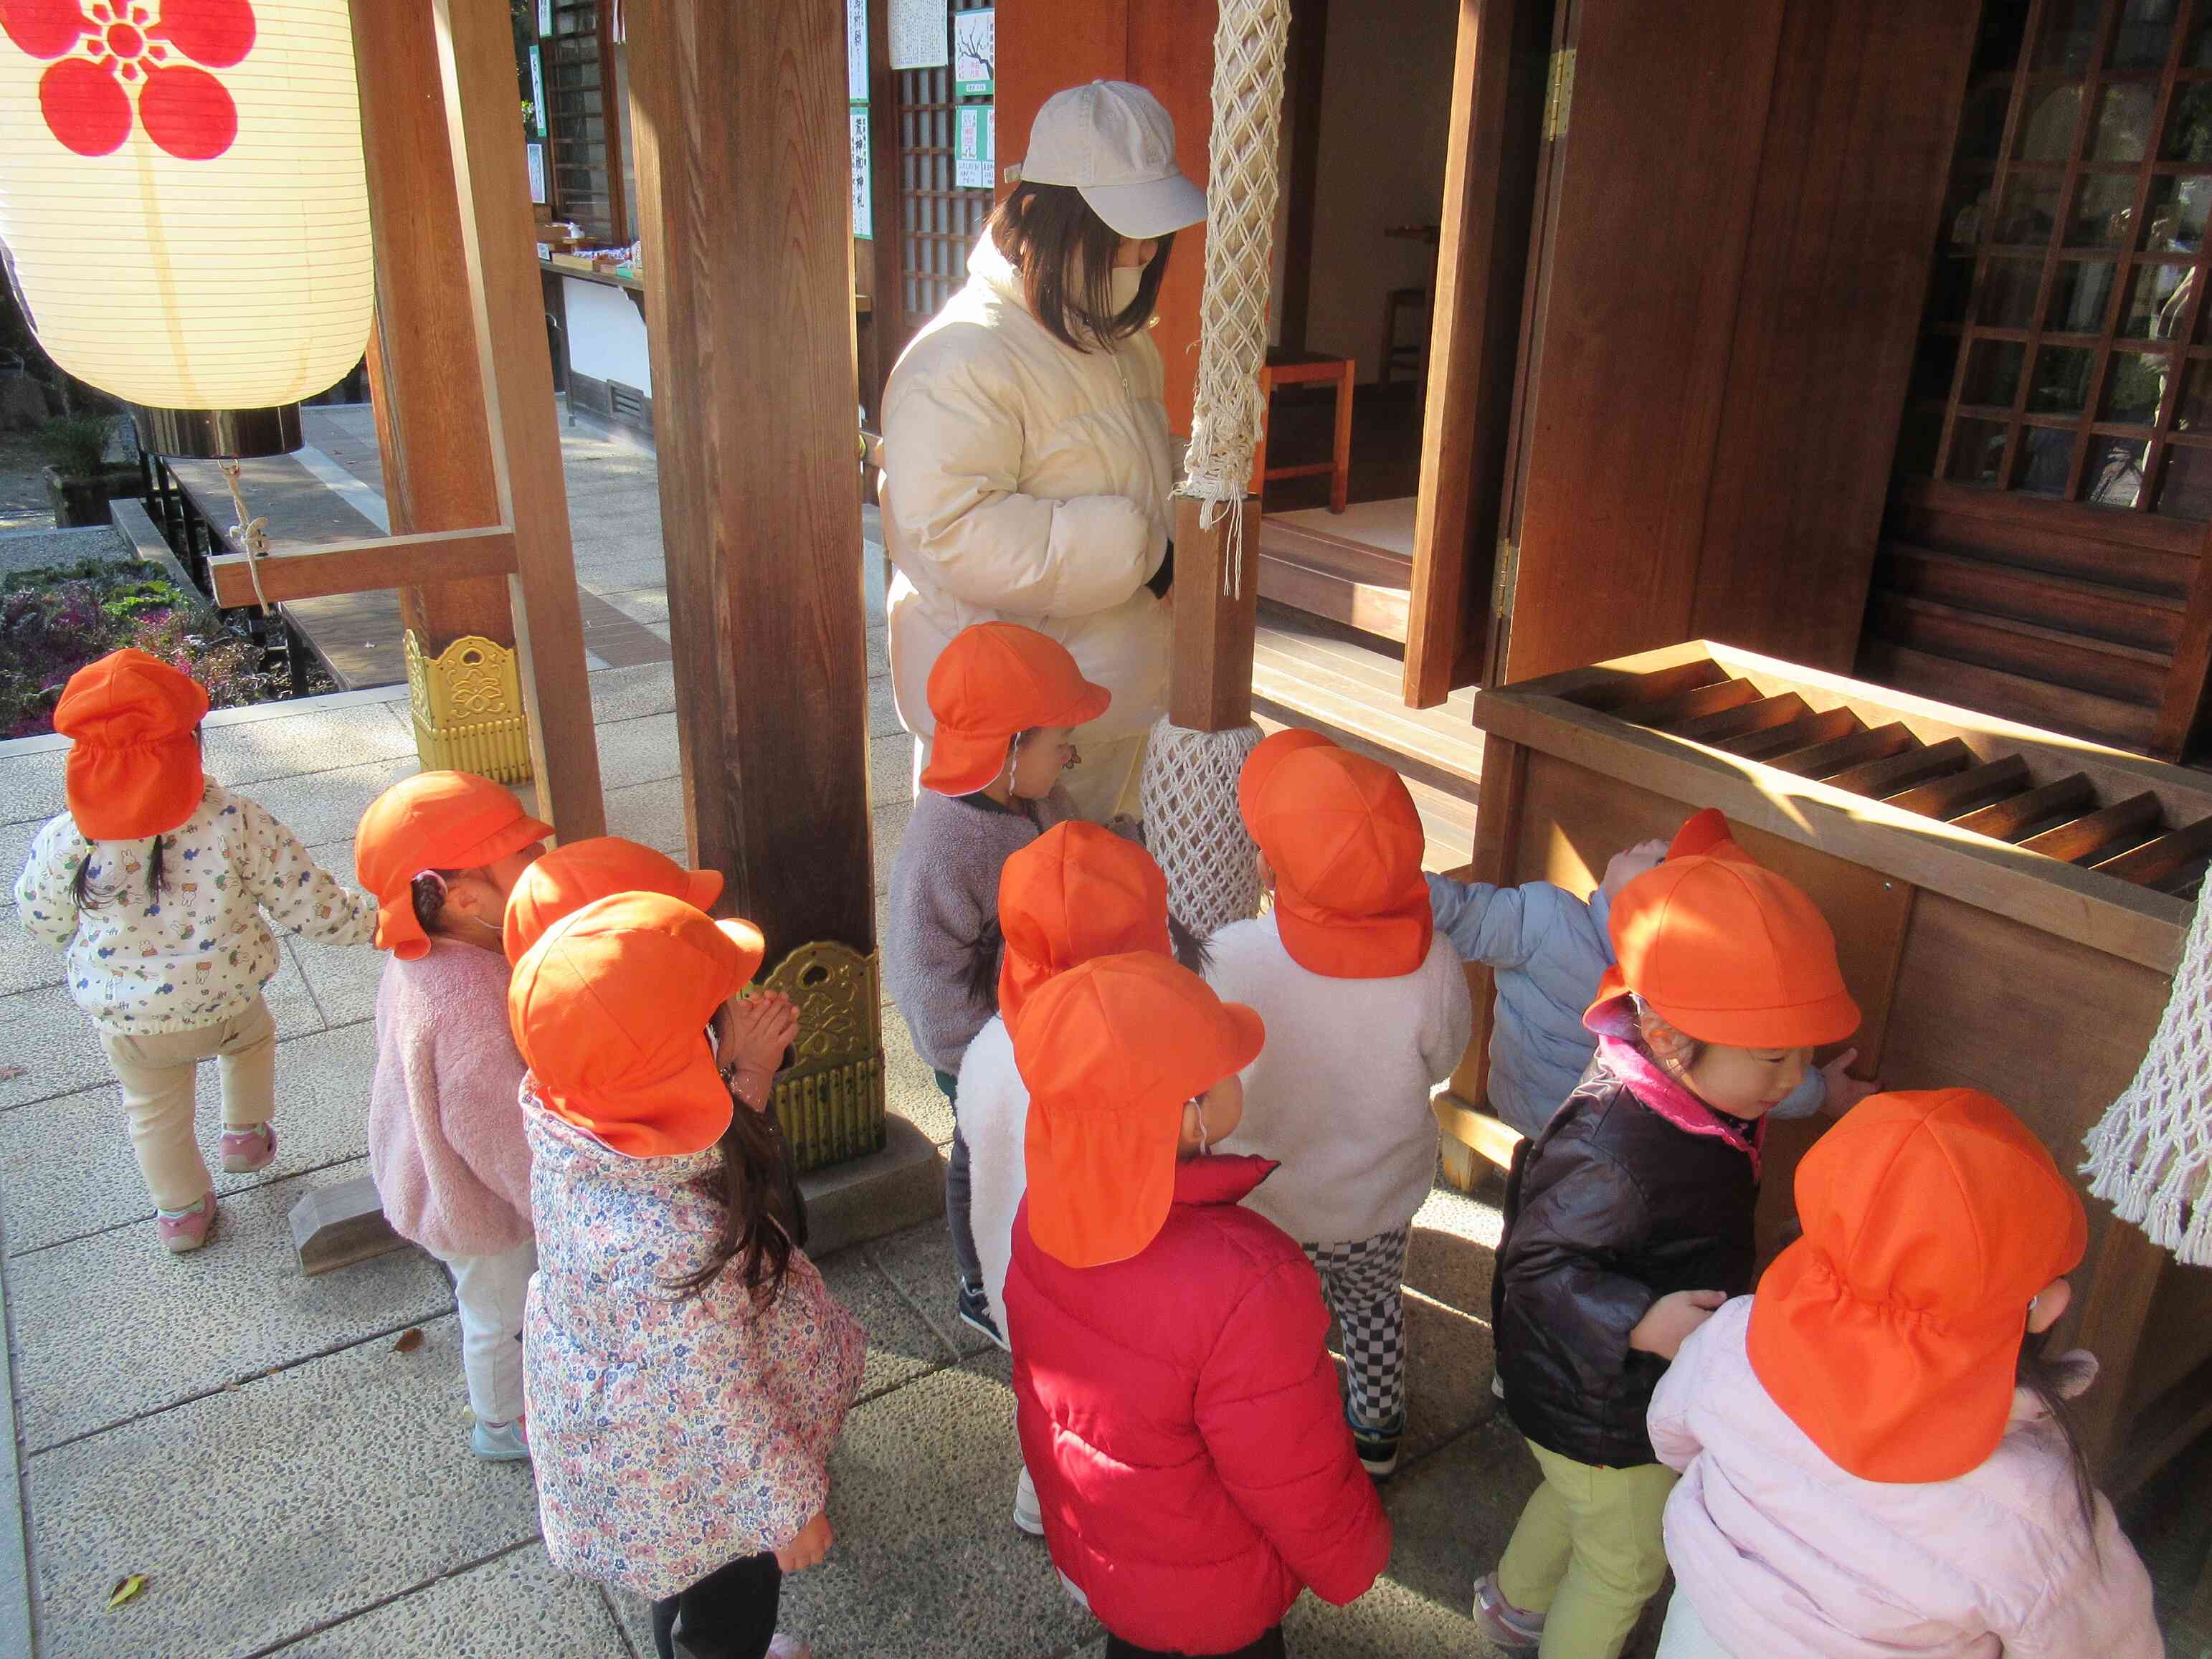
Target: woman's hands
(1668, 1323)
(753, 1033)
(807, 1550)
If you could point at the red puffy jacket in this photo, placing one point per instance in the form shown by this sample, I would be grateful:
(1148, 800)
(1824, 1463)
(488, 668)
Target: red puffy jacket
(1178, 1414)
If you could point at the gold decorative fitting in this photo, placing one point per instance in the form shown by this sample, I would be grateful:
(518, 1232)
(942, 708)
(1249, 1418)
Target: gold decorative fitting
(830, 1102)
(468, 708)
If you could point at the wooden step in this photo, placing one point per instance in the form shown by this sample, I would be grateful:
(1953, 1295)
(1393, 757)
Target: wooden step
(1880, 778)
(1799, 733)
(1364, 588)
(2103, 833)
(2013, 696)
(1962, 792)
(2159, 861)
(1758, 716)
(2151, 623)
(2028, 649)
(1852, 749)
(2023, 815)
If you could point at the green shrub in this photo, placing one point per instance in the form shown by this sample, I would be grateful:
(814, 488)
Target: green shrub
(76, 446)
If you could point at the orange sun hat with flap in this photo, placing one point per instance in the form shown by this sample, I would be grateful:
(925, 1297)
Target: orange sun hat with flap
(134, 763)
(610, 1010)
(1111, 1051)
(578, 872)
(1727, 951)
(432, 821)
(1075, 892)
(994, 680)
(1707, 834)
(1891, 1332)
(1342, 835)
(1259, 765)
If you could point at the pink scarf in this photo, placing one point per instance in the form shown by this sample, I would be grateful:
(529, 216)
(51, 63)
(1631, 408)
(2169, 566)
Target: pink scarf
(1657, 1092)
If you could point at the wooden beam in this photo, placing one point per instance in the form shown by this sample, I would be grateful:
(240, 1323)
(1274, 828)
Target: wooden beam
(740, 125)
(436, 555)
(1210, 670)
(431, 427)
(476, 58)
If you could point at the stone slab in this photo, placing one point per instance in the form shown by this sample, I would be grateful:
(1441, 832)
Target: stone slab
(34, 549)
(920, 1262)
(341, 978)
(910, 1088)
(30, 786)
(111, 1326)
(25, 960)
(320, 806)
(902, 1345)
(849, 1204)
(340, 1223)
(637, 752)
(306, 742)
(303, 1540)
(67, 1169)
(883, 711)
(887, 826)
(890, 770)
(650, 812)
(623, 694)
(516, 1606)
(14, 1543)
(879, 652)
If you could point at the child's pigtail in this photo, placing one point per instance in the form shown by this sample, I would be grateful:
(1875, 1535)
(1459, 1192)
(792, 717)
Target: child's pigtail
(428, 893)
(1191, 950)
(157, 874)
(979, 974)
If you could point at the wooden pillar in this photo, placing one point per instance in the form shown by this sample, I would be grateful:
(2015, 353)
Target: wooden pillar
(476, 60)
(430, 421)
(742, 186)
(1210, 678)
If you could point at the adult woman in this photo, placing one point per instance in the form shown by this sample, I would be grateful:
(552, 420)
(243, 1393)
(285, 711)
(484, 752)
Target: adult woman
(1027, 465)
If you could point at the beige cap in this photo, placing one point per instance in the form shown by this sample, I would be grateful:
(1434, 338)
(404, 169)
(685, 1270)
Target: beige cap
(1115, 142)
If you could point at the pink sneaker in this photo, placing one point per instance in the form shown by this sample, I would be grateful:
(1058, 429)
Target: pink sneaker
(186, 1229)
(788, 1647)
(245, 1150)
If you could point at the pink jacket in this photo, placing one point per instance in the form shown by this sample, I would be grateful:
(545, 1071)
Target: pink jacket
(1786, 1556)
(445, 1113)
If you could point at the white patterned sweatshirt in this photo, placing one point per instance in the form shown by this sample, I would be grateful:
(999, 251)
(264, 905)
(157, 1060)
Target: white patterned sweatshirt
(196, 952)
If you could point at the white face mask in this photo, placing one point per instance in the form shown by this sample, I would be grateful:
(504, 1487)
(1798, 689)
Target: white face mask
(1126, 280)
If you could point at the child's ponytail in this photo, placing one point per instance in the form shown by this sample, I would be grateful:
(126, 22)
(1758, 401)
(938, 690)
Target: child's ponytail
(762, 1224)
(157, 877)
(2054, 1380)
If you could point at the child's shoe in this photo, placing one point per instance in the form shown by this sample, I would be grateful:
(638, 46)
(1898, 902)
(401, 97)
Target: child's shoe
(1028, 1514)
(1377, 1447)
(1505, 1625)
(245, 1150)
(974, 1310)
(780, 1646)
(186, 1229)
(500, 1443)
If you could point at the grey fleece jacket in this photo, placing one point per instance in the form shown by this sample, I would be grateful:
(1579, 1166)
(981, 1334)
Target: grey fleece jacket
(944, 893)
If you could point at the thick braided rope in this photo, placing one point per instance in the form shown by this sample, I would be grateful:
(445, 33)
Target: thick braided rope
(2151, 1157)
(1193, 828)
(1249, 43)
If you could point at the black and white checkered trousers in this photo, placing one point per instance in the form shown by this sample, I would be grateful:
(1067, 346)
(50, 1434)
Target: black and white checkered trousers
(1364, 1283)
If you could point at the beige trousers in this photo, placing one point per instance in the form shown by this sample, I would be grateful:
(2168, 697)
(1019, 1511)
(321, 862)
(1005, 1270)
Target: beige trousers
(158, 1072)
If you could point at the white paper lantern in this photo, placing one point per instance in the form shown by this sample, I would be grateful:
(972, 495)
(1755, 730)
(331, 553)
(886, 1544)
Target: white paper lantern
(183, 206)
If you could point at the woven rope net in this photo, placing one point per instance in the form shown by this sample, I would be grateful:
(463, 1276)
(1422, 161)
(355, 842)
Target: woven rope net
(2151, 1157)
(1191, 821)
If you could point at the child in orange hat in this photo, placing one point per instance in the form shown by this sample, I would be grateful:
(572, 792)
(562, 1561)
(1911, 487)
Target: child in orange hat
(1630, 1218)
(1007, 701)
(1875, 1457)
(687, 1369)
(1173, 1389)
(1370, 1011)
(1075, 892)
(441, 850)
(152, 885)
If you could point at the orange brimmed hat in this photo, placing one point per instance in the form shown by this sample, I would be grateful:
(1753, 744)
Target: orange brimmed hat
(1340, 833)
(134, 766)
(1075, 892)
(578, 872)
(996, 679)
(432, 821)
(1727, 951)
(1111, 1051)
(1259, 765)
(1706, 834)
(1891, 1332)
(610, 1010)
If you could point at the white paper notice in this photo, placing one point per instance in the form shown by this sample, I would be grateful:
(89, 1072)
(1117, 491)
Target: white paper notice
(974, 150)
(920, 39)
(536, 152)
(863, 223)
(856, 50)
(974, 38)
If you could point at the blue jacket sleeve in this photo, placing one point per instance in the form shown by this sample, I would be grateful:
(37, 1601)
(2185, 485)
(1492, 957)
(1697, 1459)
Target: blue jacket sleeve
(1484, 923)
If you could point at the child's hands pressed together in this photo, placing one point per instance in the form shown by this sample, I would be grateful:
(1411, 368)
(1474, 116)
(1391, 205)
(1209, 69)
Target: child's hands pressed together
(754, 1031)
(807, 1550)
(1667, 1323)
(1844, 1091)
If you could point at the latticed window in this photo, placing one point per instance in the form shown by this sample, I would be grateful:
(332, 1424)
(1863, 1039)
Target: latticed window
(2067, 350)
(939, 220)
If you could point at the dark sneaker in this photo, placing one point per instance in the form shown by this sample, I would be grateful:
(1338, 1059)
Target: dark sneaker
(1505, 1624)
(974, 1310)
(1378, 1448)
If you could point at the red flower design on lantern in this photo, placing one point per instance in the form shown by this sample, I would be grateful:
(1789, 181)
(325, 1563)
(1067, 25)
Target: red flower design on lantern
(105, 49)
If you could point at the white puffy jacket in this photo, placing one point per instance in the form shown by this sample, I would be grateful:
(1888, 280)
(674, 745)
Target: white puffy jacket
(1027, 482)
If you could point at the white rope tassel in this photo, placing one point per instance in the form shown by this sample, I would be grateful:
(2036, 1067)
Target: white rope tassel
(1228, 412)
(2151, 1157)
(1193, 828)
(251, 533)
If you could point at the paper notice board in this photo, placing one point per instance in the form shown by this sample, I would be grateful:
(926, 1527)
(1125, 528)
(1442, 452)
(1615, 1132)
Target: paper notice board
(974, 155)
(975, 47)
(918, 37)
(863, 220)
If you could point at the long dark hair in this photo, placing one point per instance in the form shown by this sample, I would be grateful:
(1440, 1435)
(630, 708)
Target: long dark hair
(979, 971)
(762, 1222)
(1047, 230)
(157, 877)
(2053, 1382)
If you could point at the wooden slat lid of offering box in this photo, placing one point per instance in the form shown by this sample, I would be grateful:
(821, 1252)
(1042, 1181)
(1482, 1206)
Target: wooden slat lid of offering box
(2096, 845)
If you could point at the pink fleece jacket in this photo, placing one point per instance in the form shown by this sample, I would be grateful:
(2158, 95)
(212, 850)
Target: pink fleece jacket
(1786, 1556)
(444, 1115)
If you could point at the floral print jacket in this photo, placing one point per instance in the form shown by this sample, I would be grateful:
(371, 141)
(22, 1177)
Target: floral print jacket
(196, 952)
(671, 1436)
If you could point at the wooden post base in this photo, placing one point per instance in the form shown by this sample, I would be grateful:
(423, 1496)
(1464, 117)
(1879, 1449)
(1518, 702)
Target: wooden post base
(339, 1225)
(1474, 1143)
